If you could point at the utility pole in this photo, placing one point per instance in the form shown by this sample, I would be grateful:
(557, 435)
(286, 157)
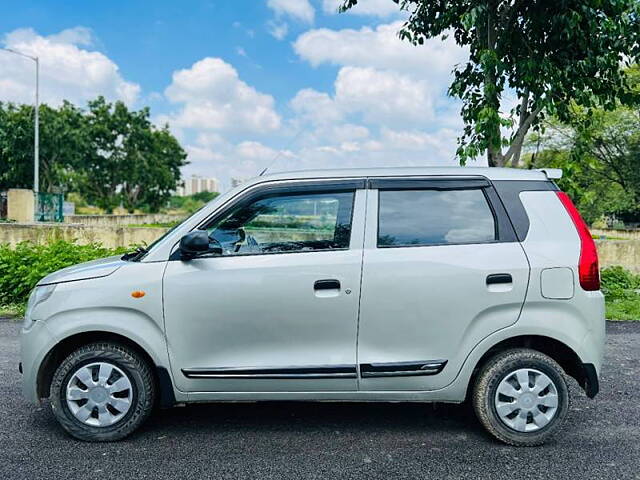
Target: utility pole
(36, 136)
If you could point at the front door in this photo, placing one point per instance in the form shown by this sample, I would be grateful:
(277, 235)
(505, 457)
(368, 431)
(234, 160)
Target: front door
(442, 270)
(277, 310)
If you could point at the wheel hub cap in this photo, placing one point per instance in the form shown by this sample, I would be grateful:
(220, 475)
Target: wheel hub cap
(99, 394)
(526, 400)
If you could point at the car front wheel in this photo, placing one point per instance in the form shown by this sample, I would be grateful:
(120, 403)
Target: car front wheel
(521, 397)
(102, 392)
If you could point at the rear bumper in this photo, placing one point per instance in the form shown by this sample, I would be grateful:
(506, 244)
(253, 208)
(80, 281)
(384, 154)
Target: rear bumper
(591, 384)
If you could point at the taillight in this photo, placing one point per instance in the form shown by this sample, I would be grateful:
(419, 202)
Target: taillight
(588, 270)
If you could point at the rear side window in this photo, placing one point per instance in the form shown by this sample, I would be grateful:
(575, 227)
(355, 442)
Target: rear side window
(434, 217)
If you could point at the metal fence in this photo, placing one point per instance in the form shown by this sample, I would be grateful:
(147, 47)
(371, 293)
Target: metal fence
(49, 207)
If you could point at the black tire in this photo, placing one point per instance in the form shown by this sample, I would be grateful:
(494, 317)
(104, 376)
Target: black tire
(486, 385)
(127, 360)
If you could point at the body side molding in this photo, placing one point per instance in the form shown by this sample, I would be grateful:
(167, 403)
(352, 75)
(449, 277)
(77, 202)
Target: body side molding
(314, 371)
(402, 369)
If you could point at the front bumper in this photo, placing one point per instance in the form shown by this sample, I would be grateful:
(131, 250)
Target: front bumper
(35, 342)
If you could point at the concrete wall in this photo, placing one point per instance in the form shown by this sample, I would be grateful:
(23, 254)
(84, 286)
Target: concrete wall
(619, 252)
(20, 205)
(115, 220)
(111, 237)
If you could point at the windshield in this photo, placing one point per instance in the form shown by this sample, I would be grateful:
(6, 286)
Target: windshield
(141, 252)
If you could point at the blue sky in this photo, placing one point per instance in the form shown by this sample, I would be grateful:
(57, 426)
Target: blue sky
(243, 82)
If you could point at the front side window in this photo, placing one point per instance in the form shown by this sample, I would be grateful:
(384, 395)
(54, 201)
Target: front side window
(287, 223)
(434, 217)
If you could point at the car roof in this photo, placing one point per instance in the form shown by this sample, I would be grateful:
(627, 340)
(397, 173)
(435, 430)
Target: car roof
(492, 173)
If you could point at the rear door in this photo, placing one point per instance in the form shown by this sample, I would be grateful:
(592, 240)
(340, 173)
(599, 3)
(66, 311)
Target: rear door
(442, 270)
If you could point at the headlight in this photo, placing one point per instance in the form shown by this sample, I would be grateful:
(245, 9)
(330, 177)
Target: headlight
(38, 295)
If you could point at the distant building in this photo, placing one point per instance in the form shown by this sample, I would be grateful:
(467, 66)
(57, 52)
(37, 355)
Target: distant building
(197, 184)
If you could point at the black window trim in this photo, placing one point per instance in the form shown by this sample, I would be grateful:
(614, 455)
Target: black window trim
(509, 191)
(503, 229)
(428, 183)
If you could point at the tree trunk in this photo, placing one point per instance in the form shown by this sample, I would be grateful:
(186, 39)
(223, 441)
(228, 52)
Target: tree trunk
(491, 96)
(495, 157)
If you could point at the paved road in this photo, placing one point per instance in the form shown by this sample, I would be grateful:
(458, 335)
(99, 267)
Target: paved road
(306, 440)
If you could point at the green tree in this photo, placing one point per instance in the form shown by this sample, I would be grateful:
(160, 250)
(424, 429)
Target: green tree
(549, 53)
(599, 151)
(62, 145)
(594, 195)
(154, 169)
(130, 161)
(107, 153)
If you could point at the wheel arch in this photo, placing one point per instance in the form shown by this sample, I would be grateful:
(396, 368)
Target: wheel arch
(564, 355)
(66, 346)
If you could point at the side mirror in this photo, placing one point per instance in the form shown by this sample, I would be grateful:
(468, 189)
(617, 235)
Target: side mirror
(197, 243)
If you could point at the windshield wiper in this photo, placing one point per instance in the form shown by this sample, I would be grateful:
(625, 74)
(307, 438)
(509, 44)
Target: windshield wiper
(136, 255)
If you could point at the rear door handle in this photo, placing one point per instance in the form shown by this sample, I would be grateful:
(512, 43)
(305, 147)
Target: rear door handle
(496, 278)
(326, 285)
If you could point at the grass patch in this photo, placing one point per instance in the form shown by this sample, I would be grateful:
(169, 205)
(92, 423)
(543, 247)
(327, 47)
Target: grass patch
(621, 289)
(623, 309)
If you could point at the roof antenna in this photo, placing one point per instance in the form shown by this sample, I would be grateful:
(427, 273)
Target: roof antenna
(277, 156)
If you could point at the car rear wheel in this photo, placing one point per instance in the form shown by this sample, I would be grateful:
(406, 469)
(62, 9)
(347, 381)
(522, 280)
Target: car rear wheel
(521, 397)
(102, 392)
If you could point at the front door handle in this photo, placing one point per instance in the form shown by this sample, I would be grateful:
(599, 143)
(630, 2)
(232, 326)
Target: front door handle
(496, 278)
(326, 285)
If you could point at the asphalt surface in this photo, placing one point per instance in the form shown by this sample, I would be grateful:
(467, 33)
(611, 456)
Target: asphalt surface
(330, 440)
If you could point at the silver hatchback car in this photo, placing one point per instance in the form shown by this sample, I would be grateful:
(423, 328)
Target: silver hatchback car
(404, 284)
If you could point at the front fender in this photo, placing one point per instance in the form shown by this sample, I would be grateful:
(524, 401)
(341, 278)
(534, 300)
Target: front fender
(134, 325)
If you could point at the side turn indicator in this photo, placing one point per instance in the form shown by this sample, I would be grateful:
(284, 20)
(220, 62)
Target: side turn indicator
(138, 294)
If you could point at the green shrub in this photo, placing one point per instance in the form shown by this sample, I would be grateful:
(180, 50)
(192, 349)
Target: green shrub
(618, 282)
(621, 289)
(22, 266)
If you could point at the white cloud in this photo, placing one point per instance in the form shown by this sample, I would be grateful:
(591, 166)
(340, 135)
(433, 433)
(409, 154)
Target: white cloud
(416, 140)
(389, 148)
(378, 8)
(375, 96)
(255, 151)
(67, 71)
(316, 107)
(211, 155)
(80, 36)
(380, 48)
(383, 96)
(215, 98)
(277, 30)
(297, 9)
